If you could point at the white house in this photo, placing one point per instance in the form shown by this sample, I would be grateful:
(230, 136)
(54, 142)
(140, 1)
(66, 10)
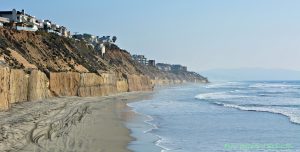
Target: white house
(64, 31)
(13, 15)
(3, 20)
(22, 21)
(46, 25)
(102, 47)
(20, 18)
(54, 27)
(105, 39)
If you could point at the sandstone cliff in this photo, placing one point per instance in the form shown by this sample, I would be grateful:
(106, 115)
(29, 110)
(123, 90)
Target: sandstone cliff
(39, 65)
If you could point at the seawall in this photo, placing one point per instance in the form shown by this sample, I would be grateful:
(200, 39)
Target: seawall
(17, 85)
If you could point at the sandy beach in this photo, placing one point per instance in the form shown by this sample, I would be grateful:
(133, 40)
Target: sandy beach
(69, 124)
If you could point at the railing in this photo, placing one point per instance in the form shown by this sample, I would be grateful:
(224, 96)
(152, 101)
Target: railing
(20, 28)
(4, 20)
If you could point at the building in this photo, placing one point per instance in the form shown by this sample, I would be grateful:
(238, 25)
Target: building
(140, 58)
(64, 31)
(151, 63)
(21, 19)
(87, 37)
(163, 66)
(78, 36)
(95, 40)
(46, 25)
(14, 15)
(105, 39)
(172, 68)
(54, 27)
(178, 68)
(3, 20)
(91, 40)
(102, 48)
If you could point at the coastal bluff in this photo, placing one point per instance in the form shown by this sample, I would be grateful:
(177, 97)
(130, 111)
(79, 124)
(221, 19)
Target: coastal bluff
(39, 65)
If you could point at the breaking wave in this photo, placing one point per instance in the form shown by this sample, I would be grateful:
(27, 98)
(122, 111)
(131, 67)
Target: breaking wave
(274, 97)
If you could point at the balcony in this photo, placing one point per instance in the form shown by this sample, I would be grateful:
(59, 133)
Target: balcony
(4, 20)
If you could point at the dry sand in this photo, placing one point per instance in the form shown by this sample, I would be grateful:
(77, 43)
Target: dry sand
(69, 124)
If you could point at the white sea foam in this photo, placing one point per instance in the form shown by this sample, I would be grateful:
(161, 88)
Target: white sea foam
(219, 95)
(282, 94)
(153, 126)
(149, 119)
(160, 140)
(160, 143)
(273, 85)
(224, 85)
(292, 114)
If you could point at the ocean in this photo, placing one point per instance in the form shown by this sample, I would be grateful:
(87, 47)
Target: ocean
(262, 116)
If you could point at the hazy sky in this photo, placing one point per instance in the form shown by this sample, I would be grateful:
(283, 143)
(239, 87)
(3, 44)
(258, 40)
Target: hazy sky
(200, 34)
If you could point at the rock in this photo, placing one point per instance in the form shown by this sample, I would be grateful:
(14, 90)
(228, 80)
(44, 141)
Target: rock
(122, 85)
(38, 86)
(64, 83)
(90, 85)
(18, 86)
(139, 83)
(4, 88)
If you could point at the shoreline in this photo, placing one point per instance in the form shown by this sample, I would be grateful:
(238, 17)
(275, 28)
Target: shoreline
(149, 127)
(70, 124)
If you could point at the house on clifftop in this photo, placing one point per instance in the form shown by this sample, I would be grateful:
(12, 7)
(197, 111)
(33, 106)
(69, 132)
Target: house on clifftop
(178, 68)
(163, 66)
(140, 58)
(151, 63)
(173, 68)
(3, 20)
(19, 20)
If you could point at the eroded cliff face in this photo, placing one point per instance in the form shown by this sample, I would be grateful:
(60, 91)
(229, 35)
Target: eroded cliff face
(18, 86)
(92, 84)
(38, 86)
(4, 88)
(64, 83)
(139, 83)
(37, 65)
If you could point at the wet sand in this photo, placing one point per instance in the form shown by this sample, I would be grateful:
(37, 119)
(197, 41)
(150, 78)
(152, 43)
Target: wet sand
(69, 124)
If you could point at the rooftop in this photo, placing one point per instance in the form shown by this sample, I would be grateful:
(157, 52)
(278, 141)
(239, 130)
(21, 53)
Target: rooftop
(10, 12)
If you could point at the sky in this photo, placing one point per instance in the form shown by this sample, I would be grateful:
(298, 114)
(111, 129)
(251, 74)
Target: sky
(201, 34)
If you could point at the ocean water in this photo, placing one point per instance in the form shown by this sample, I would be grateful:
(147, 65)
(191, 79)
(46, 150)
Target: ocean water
(219, 117)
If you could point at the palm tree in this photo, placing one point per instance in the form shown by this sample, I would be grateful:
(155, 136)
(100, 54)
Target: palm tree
(114, 39)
